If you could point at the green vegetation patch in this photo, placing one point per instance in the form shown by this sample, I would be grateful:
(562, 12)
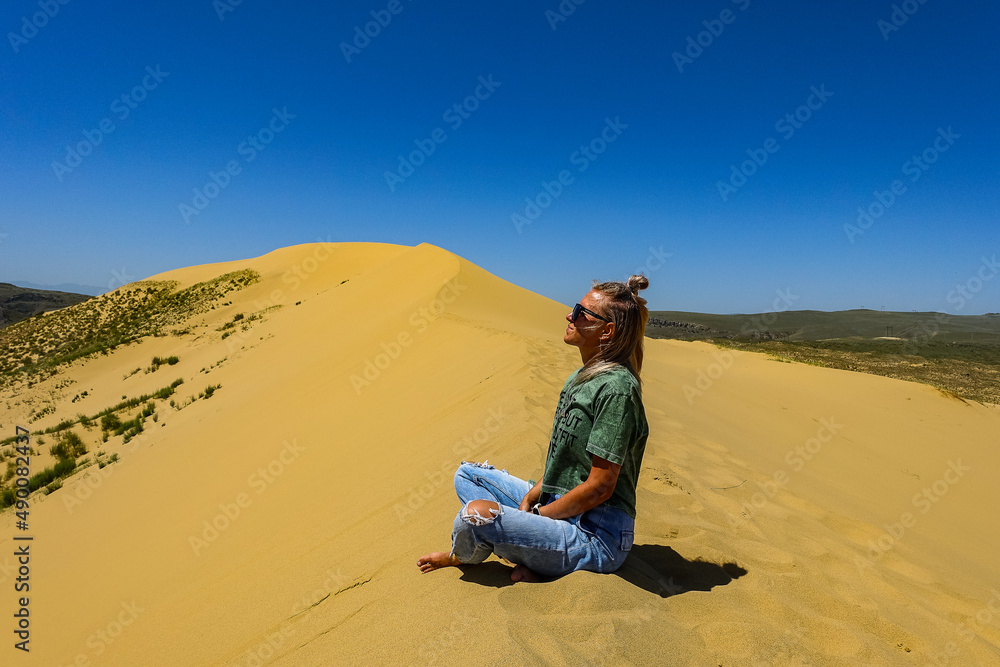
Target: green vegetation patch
(46, 478)
(69, 446)
(161, 361)
(37, 346)
(209, 391)
(964, 369)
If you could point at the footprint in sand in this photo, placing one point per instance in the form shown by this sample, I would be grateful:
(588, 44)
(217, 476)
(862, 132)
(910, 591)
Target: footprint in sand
(663, 478)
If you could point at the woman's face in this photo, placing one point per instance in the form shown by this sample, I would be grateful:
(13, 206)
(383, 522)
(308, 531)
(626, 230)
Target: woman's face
(586, 332)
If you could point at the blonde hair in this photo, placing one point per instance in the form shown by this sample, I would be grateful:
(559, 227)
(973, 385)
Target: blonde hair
(623, 306)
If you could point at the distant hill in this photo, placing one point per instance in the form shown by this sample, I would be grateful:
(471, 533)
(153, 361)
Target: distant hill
(796, 325)
(19, 303)
(73, 288)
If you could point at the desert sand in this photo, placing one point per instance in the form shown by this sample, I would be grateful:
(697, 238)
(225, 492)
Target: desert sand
(787, 514)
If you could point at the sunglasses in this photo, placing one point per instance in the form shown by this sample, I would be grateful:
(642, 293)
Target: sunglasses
(577, 309)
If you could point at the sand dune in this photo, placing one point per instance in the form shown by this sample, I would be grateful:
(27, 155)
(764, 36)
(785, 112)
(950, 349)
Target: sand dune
(787, 514)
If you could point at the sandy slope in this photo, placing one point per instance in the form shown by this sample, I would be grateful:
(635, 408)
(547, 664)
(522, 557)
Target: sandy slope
(325, 486)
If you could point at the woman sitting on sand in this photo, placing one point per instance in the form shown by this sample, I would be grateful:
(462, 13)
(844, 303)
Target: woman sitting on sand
(581, 514)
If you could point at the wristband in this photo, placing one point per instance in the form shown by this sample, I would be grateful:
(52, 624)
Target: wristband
(534, 509)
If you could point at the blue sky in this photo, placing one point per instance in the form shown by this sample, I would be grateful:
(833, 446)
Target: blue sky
(726, 146)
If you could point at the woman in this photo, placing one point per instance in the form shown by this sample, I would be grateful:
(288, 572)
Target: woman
(581, 514)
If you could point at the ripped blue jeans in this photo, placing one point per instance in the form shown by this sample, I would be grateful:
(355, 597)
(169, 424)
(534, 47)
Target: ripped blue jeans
(598, 540)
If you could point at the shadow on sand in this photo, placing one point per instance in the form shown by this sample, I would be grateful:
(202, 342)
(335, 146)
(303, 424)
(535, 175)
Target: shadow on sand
(652, 567)
(659, 569)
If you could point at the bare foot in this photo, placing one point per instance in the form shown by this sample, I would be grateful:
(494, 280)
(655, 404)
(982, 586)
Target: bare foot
(522, 573)
(435, 560)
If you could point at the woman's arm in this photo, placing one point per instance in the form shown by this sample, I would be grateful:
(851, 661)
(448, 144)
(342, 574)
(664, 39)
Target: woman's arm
(597, 488)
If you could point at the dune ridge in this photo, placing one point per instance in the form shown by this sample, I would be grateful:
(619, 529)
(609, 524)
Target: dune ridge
(781, 507)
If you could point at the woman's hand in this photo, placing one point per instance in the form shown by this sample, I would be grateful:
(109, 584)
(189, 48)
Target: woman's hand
(531, 497)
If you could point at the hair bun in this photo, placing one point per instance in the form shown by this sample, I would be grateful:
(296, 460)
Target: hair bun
(636, 283)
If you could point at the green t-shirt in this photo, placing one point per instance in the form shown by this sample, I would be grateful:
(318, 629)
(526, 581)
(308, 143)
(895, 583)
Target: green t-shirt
(603, 417)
